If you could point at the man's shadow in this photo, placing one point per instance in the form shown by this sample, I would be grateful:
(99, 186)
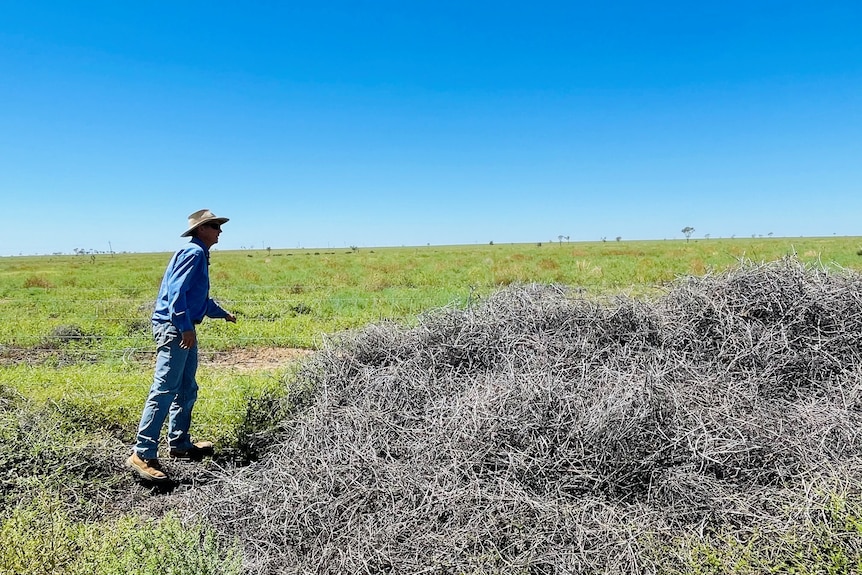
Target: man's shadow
(163, 487)
(185, 473)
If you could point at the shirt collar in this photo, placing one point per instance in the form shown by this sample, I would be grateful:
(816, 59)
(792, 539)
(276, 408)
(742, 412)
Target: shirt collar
(200, 243)
(205, 248)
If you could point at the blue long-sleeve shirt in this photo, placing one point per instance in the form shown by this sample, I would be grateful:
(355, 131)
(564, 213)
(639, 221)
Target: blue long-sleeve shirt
(183, 296)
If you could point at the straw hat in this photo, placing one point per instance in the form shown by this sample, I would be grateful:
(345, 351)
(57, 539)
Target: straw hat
(200, 218)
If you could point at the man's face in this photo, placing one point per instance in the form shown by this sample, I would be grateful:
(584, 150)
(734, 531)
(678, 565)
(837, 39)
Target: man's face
(208, 233)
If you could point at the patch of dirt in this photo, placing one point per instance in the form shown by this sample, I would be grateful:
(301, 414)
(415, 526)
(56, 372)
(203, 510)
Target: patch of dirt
(254, 359)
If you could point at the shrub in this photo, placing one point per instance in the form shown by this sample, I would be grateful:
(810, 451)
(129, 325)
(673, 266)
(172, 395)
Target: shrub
(37, 282)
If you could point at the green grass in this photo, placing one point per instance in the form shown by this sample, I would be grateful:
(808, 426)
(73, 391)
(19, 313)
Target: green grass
(109, 396)
(41, 538)
(79, 325)
(289, 298)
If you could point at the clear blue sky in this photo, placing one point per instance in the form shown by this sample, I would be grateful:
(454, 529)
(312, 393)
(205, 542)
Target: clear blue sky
(334, 124)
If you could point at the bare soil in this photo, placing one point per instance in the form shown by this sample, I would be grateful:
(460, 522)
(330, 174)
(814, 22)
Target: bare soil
(256, 359)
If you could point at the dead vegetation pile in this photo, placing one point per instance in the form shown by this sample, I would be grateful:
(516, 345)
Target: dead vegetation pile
(540, 432)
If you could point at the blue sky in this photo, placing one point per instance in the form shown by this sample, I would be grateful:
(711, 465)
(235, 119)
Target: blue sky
(358, 123)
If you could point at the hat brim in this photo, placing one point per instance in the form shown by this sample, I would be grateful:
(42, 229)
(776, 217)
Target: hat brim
(189, 231)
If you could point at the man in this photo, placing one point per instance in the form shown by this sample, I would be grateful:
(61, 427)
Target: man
(182, 303)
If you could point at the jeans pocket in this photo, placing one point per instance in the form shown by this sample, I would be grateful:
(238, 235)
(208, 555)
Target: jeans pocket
(164, 334)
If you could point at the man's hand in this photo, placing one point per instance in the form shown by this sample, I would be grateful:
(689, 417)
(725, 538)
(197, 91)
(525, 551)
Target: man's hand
(230, 317)
(189, 339)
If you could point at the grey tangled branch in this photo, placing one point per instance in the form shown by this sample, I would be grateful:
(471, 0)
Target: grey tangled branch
(540, 432)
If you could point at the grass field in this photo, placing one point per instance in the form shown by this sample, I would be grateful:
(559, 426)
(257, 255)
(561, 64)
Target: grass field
(289, 298)
(76, 356)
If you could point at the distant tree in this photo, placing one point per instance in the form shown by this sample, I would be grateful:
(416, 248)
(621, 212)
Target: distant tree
(560, 237)
(687, 231)
(619, 238)
(706, 236)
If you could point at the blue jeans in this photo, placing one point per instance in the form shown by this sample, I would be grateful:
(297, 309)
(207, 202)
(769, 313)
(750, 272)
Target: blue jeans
(172, 394)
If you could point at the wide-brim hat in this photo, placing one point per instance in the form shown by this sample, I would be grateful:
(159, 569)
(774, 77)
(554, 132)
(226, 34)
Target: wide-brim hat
(200, 218)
